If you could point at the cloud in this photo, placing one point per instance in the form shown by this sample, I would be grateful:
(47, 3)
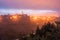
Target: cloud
(30, 12)
(31, 4)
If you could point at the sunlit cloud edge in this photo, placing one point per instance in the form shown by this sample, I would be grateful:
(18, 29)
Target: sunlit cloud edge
(24, 10)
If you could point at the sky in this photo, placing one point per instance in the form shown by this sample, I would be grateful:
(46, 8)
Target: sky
(50, 5)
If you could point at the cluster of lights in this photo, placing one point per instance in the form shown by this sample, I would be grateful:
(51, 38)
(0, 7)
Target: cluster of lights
(14, 18)
(36, 19)
(43, 18)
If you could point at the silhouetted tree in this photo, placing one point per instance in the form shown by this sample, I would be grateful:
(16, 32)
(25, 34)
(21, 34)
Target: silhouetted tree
(49, 31)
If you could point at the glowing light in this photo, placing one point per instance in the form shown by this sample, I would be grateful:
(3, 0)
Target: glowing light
(43, 19)
(35, 18)
(15, 18)
(0, 18)
(51, 19)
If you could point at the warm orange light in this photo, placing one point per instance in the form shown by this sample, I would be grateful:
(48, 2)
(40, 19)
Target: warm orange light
(42, 19)
(14, 18)
(51, 19)
(0, 18)
(35, 18)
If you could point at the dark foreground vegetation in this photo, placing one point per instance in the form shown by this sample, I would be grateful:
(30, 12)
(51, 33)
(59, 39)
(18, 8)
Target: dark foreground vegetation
(47, 32)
